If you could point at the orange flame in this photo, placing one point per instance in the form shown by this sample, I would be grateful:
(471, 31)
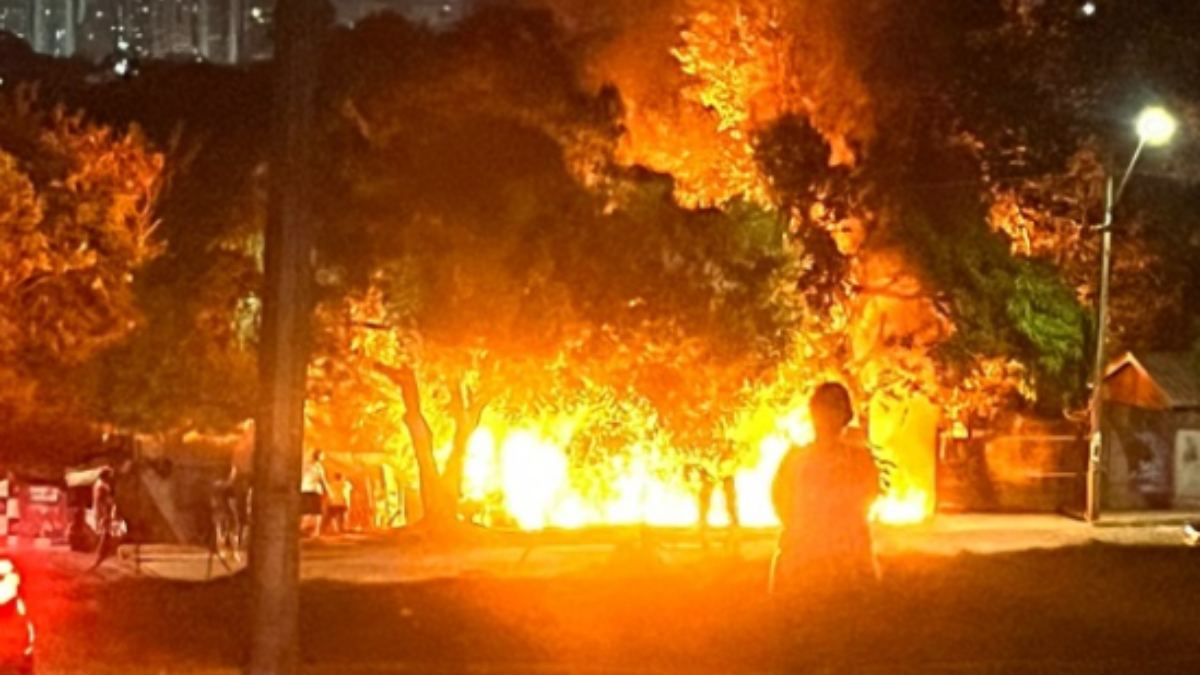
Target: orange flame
(529, 474)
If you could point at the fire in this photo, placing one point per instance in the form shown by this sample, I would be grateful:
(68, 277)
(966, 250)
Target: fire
(525, 474)
(534, 474)
(754, 484)
(534, 478)
(902, 508)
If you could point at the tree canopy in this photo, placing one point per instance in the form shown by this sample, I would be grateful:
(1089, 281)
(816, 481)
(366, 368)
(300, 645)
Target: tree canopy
(76, 224)
(506, 252)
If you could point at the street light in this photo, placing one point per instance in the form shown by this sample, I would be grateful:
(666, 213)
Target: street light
(1155, 127)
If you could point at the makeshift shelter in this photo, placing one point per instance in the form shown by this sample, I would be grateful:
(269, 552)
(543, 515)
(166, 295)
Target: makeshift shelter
(1152, 401)
(165, 492)
(170, 499)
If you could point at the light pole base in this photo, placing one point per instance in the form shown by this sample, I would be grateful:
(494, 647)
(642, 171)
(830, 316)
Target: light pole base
(1094, 472)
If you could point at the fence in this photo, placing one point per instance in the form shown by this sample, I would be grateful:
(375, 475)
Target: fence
(1013, 473)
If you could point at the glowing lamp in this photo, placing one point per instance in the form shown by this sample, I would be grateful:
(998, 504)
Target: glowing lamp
(1156, 126)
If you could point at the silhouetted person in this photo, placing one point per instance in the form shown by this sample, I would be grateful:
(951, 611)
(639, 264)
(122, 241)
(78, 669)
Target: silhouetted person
(822, 495)
(710, 480)
(227, 513)
(104, 506)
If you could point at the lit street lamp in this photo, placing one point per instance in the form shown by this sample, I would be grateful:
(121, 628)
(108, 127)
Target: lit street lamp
(1155, 127)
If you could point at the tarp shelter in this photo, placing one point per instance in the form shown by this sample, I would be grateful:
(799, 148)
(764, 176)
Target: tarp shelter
(84, 477)
(1152, 401)
(170, 500)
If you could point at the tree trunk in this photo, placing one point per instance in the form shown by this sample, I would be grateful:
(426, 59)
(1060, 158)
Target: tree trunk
(432, 499)
(467, 411)
(274, 554)
(440, 492)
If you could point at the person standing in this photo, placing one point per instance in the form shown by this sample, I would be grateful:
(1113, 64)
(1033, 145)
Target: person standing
(347, 489)
(719, 473)
(104, 509)
(823, 494)
(314, 494)
(339, 502)
(227, 514)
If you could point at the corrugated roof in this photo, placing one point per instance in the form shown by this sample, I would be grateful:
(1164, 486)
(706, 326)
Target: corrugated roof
(1174, 373)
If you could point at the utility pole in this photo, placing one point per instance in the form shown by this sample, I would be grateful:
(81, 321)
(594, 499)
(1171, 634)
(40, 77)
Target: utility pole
(1097, 441)
(283, 355)
(1155, 127)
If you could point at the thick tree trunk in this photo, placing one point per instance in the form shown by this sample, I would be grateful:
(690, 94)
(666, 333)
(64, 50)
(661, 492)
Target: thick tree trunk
(274, 554)
(440, 492)
(433, 500)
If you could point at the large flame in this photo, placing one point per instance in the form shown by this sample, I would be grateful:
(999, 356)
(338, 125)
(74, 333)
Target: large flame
(904, 507)
(525, 474)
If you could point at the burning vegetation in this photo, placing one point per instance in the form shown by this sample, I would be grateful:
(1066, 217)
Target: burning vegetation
(582, 261)
(595, 294)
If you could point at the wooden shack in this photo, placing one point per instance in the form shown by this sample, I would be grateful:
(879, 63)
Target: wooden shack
(1152, 401)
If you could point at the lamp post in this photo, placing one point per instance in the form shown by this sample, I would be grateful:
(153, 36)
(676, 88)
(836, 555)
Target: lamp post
(1155, 127)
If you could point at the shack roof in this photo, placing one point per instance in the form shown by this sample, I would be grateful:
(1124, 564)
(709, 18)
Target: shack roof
(1167, 380)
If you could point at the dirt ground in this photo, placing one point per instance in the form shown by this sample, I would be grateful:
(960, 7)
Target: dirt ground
(1095, 608)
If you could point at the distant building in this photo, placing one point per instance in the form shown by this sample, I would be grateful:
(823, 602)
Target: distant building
(437, 14)
(96, 28)
(16, 17)
(222, 31)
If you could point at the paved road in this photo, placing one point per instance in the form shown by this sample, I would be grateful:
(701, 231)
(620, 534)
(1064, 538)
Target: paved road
(378, 559)
(1036, 601)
